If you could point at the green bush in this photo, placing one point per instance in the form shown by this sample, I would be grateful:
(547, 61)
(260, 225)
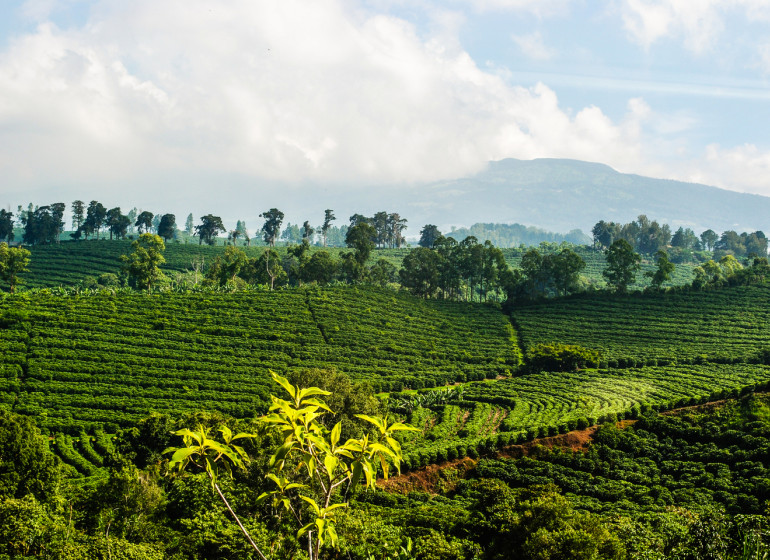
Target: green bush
(560, 357)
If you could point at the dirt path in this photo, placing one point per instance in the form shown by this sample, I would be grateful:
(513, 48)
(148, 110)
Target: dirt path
(434, 478)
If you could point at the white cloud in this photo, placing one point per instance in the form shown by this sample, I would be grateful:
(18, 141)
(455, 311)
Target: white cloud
(745, 168)
(763, 55)
(285, 91)
(540, 8)
(532, 46)
(167, 93)
(698, 24)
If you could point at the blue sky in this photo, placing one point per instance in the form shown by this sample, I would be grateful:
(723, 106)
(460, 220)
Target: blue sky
(252, 102)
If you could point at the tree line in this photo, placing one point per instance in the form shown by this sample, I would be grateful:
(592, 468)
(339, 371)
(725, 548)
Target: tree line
(648, 237)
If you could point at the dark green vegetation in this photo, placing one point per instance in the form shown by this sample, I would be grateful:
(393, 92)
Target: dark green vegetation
(720, 326)
(493, 415)
(87, 364)
(107, 360)
(82, 263)
(76, 361)
(695, 485)
(596, 263)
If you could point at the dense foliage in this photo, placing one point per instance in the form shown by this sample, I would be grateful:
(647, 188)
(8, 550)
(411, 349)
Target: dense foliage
(692, 485)
(720, 326)
(76, 361)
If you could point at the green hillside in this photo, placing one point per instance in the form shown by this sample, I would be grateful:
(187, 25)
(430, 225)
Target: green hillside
(596, 263)
(109, 360)
(724, 326)
(75, 262)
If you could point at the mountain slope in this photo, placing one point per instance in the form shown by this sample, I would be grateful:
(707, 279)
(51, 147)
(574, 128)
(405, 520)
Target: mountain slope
(561, 195)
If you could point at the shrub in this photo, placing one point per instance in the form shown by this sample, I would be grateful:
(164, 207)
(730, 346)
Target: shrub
(561, 357)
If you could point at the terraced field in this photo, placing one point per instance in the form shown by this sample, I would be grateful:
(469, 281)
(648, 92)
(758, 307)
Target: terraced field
(596, 263)
(729, 325)
(70, 262)
(88, 365)
(494, 414)
(108, 360)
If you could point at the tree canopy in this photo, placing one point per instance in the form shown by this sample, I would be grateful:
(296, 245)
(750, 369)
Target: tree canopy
(143, 264)
(272, 226)
(13, 261)
(622, 265)
(209, 228)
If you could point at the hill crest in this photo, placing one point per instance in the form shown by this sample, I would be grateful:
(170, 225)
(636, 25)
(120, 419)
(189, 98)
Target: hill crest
(562, 194)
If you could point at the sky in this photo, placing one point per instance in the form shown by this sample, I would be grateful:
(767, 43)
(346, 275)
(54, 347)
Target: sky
(232, 107)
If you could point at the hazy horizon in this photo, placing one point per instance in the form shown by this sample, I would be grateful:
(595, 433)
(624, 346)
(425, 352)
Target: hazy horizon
(235, 107)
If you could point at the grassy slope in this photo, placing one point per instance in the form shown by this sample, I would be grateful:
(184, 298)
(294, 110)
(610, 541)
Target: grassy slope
(68, 263)
(725, 325)
(106, 359)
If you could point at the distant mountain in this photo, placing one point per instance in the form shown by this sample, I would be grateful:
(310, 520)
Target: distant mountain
(561, 195)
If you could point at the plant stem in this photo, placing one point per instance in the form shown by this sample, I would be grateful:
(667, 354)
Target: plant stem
(238, 521)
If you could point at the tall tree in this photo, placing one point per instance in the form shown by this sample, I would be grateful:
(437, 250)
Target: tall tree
(144, 222)
(167, 226)
(535, 273)
(42, 225)
(605, 233)
(307, 231)
(298, 257)
(361, 238)
(565, 270)
(189, 225)
(684, 238)
(708, 239)
(209, 228)
(428, 236)
(6, 225)
(755, 243)
(78, 209)
(664, 271)
(356, 219)
(272, 226)
(269, 269)
(321, 268)
(57, 213)
(292, 234)
(380, 224)
(95, 215)
(241, 227)
(143, 264)
(730, 243)
(419, 272)
(13, 262)
(328, 219)
(622, 265)
(132, 214)
(224, 269)
(117, 223)
(396, 227)
(651, 236)
(450, 275)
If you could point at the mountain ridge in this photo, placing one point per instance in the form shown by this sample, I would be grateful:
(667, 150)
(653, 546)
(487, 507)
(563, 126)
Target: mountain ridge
(562, 194)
